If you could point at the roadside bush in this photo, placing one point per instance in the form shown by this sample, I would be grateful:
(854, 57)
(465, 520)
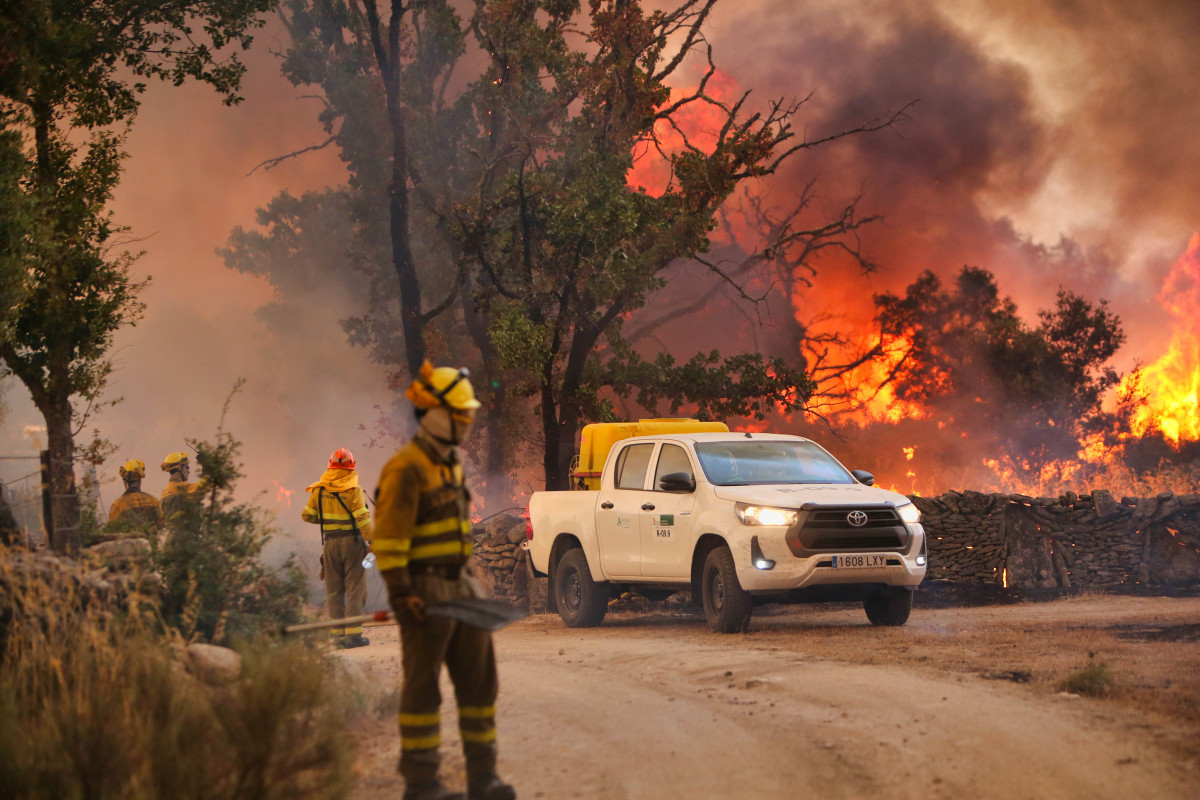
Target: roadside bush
(95, 705)
(1093, 680)
(215, 587)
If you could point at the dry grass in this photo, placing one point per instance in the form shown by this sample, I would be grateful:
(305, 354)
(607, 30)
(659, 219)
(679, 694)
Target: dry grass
(96, 705)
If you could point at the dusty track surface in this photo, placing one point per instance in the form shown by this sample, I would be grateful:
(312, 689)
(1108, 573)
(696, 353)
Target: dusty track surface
(815, 701)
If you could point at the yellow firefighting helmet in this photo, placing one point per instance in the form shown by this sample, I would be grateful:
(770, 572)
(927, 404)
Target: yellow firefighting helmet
(133, 468)
(442, 386)
(174, 462)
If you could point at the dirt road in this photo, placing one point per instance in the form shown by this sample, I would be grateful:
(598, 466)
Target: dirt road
(814, 701)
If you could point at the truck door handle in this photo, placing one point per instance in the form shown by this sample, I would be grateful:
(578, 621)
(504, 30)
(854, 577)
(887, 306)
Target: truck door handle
(647, 506)
(606, 505)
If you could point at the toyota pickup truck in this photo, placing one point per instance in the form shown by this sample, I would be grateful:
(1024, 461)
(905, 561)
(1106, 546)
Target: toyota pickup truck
(737, 519)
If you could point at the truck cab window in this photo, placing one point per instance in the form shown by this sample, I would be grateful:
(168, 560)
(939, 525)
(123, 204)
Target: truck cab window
(672, 458)
(631, 466)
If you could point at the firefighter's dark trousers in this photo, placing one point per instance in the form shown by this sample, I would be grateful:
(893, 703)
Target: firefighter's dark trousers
(345, 580)
(470, 658)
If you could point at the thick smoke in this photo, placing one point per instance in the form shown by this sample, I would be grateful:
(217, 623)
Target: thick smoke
(1046, 143)
(1051, 143)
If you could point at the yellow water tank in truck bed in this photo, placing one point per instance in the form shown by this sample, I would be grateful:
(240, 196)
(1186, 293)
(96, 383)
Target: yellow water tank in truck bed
(598, 438)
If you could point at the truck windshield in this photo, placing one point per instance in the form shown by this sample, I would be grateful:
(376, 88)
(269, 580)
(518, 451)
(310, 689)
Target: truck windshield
(751, 463)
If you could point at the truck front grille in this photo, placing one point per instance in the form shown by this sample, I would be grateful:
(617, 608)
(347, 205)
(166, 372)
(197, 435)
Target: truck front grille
(831, 529)
(838, 519)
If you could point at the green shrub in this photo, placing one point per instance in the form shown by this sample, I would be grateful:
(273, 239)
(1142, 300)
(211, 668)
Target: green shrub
(215, 587)
(1093, 680)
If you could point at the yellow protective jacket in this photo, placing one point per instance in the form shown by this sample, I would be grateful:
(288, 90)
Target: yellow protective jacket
(335, 484)
(136, 508)
(176, 493)
(422, 510)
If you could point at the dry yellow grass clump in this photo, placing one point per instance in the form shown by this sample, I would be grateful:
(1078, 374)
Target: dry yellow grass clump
(96, 704)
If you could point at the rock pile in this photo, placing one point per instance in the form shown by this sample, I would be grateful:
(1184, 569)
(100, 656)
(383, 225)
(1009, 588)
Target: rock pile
(497, 555)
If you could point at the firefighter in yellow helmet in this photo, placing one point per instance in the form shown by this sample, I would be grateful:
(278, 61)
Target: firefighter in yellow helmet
(178, 490)
(422, 541)
(339, 506)
(135, 509)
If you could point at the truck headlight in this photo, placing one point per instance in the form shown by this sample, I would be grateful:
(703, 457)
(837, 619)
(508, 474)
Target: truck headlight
(909, 513)
(765, 515)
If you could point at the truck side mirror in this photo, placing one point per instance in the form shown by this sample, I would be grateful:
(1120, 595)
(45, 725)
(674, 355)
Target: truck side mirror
(679, 482)
(864, 477)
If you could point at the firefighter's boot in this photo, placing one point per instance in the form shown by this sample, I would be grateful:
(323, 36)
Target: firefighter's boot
(431, 791)
(490, 788)
(419, 768)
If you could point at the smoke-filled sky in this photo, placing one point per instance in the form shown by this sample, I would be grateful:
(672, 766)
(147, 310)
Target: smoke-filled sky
(1052, 142)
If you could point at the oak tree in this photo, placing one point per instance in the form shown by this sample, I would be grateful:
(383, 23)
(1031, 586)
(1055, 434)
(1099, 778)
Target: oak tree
(493, 148)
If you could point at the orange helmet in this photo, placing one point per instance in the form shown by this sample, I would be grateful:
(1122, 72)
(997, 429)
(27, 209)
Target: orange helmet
(341, 459)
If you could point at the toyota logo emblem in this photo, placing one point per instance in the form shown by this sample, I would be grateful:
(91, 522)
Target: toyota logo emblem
(857, 518)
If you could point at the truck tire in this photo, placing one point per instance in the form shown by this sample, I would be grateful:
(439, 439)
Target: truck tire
(727, 606)
(581, 601)
(891, 606)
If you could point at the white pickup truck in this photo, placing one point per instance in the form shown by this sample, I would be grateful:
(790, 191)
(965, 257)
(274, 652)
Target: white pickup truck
(737, 518)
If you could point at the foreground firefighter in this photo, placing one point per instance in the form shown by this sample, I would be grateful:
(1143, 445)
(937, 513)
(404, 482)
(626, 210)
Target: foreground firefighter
(423, 540)
(135, 509)
(178, 492)
(339, 506)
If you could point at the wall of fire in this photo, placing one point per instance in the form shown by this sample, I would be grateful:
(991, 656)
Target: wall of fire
(1006, 540)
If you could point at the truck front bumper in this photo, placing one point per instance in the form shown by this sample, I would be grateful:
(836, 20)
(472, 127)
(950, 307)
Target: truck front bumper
(787, 572)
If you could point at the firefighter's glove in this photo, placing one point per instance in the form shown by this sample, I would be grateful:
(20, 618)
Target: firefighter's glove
(400, 595)
(413, 608)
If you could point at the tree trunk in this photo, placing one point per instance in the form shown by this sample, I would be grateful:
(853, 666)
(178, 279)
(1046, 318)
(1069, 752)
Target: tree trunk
(402, 258)
(57, 412)
(387, 50)
(558, 430)
(551, 469)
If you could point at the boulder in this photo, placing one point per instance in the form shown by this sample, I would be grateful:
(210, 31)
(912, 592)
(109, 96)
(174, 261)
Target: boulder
(216, 666)
(121, 553)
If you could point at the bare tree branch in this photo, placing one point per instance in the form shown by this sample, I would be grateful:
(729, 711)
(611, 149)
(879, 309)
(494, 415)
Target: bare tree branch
(270, 163)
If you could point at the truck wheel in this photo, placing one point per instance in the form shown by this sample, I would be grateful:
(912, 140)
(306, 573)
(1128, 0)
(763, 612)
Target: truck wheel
(582, 602)
(727, 606)
(889, 607)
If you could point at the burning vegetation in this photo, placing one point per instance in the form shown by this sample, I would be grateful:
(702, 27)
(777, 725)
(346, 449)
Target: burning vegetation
(956, 390)
(1168, 388)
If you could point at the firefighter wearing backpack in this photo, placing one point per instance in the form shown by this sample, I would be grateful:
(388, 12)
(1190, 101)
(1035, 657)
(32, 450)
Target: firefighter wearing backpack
(339, 506)
(135, 509)
(423, 525)
(178, 492)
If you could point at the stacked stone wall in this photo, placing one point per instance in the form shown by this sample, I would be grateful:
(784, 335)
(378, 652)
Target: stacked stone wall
(1071, 541)
(1006, 540)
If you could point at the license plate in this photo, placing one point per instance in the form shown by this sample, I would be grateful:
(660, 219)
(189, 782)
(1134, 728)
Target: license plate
(859, 562)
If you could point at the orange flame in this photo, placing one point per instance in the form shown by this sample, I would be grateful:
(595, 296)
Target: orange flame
(1172, 383)
(875, 395)
(283, 495)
